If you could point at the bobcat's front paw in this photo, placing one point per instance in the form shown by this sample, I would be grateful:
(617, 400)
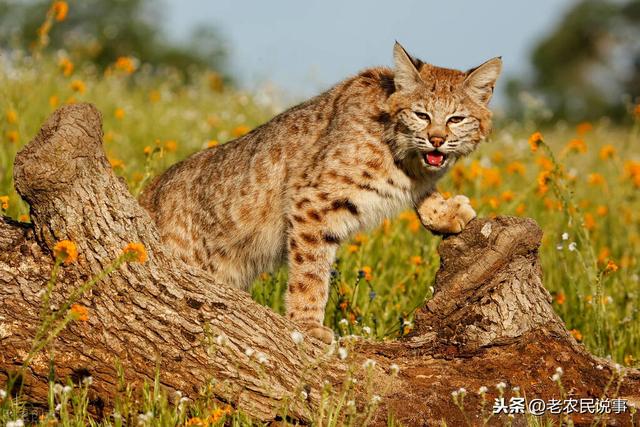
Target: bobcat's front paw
(446, 216)
(319, 331)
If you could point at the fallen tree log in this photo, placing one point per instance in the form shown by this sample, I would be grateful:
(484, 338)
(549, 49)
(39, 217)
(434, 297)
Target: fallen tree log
(489, 321)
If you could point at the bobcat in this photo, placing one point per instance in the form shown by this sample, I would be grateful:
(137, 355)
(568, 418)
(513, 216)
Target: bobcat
(296, 187)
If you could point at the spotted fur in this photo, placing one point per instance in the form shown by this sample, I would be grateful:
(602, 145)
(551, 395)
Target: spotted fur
(296, 187)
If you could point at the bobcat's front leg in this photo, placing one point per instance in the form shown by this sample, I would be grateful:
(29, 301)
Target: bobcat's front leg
(445, 216)
(311, 253)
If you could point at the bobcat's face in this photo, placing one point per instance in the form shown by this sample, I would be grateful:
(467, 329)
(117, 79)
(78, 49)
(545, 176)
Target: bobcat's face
(438, 114)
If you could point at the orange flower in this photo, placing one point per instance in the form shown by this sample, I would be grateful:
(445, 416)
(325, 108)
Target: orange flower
(602, 210)
(195, 422)
(136, 252)
(493, 202)
(116, 163)
(515, 167)
(126, 64)
(577, 145)
(416, 260)
(238, 131)
(80, 312)
(595, 179)
(507, 196)
(576, 334)
(607, 152)
(78, 86)
(545, 163)
(171, 145)
(628, 359)
(583, 128)
(66, 66)
(352, 248)
(23, 218)
(366, 270)
(154, 96)
(13, 136)
(589, 222)
(544, 178)
(147, 150)
(534, 141)
(491, 177)
(119, 113)
(65, 251)
(212, 143)
(414, 225)
(60, 9)
(4, 202)
(54, 101)
(12, 117)
(603, 255)
(560, 298)
(521, 209)
(611, 267)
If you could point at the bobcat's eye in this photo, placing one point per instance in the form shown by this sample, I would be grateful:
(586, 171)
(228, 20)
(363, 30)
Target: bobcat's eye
(455, 119)
(421, 115)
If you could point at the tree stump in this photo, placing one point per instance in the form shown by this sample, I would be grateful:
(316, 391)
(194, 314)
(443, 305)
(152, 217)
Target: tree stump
(490, 319)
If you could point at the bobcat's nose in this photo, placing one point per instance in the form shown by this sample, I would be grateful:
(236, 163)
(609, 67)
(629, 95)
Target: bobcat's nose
(436, 141)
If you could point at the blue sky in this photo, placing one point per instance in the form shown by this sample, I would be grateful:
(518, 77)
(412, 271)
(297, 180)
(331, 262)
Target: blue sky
(305, 46)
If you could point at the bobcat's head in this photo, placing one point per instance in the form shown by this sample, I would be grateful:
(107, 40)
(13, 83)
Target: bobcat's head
(438, 115)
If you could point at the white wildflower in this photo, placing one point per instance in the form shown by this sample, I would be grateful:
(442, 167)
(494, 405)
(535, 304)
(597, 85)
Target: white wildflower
(394, 369)
(16, 423)
(343, 322)
(369, 363)
(66, 389)
(87, 380)
(516, 389)
(375, 399)
(57, 388)
(462, 390)
(351, 403)
(262, 358)
(454, 393)
(303, 395)
(482, 390)
(559, 370)
(249, 351)
(58, 407)
(559, 247)
(565, 236)
(222, 340)
(297, 337)
(342, 353)
(599, 367)
(501, 386)
(366, 330)
(573, 246)
(3, 393)
(555, 377)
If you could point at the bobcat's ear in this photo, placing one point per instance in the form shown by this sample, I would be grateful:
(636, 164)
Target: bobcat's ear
(406, 76)
(481, 80)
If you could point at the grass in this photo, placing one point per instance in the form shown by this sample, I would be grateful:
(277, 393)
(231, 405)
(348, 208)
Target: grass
(579, 183)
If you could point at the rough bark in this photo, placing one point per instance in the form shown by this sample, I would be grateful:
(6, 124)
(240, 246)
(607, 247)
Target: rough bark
(489, 320)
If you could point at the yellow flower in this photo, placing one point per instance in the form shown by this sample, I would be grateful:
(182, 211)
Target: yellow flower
(78, 86)
(611, 267)
(66, 66)
(66, 251)
(12, 116)
(13, 136)
(136, 252)
(595, 179)
(577, 145)
(119, 113)
(170, 145)
(602, 210)
(60, 9)
(238, 131)
(4, 202)
(148, 150)
(628, 359)
(576, 334)
(534, 141)
(212, 143)
(515, 167)
(583, 128)
(607, 152)
(126, 64)
(416, 260)
(589, 222)
(366, 270)
(80, 312)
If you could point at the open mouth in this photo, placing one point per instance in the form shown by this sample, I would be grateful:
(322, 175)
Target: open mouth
(435, 158)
